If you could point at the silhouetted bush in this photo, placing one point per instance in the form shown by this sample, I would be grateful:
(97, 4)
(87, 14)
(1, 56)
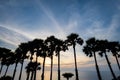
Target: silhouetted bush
(6, 78)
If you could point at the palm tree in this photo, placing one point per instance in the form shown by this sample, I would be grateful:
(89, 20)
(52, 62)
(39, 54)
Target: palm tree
(31, 67)
(28, 70)
(50, 42)
(67, 75)
(72, 40)
(104, 49)
(17, 60)
(114, 48)
(9, 60)
(44, 54)
(90, 50)
(60, 46)
(35, 46)
(3, 56)
(23, 49)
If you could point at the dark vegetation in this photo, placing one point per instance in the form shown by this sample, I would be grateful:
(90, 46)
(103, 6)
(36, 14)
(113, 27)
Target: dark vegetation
(53, 46)
(67, 75)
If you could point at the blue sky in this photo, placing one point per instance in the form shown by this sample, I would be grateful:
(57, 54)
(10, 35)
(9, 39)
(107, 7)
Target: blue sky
(42, 18)
(88, 18)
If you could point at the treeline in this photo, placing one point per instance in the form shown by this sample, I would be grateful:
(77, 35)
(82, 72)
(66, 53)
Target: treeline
(51, 47)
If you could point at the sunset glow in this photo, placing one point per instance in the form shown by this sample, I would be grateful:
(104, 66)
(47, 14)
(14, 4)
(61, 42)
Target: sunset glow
(23, 21)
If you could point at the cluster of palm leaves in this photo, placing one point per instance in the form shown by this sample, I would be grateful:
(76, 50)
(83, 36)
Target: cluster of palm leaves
(102, 48)
(53, 46)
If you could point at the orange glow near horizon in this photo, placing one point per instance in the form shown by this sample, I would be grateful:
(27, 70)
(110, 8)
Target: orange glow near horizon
(66, 60)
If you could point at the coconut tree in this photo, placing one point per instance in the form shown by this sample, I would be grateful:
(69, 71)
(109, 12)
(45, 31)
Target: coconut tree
(72, 40)
(23, 49)
(103, 50)
(90, 49)
(67, 75)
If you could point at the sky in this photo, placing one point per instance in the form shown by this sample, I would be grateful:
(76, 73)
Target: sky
(30, 19)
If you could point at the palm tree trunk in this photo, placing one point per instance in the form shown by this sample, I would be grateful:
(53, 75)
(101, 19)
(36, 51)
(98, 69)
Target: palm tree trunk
(110, 67)
(14, 71)
(117, 62)
(67, 78)
(28, 74)
(51, 67)
(21, 70)
(32, 75)
(58, 66)
(6, 70)
(43, 69)
(97, 67)
(36, 68)
(1, 68)
(77, 78)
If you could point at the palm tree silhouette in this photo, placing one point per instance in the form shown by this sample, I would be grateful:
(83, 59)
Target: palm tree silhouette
(44, 54)
(17, 58)
(103, 49)
(67, 75)
(114, 48)
(3, 56)
(50, 42)
(9, 60)
(32, 67)
(28, 70)
(35, 47)
(60, 46)
(23, 49)
(90, 50)
(72, 39)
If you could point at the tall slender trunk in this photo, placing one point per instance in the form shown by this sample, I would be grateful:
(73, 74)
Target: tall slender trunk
(97, 67)
(51, 67)
(110, 67)
(67, 78)
(6, 71)
(35, 69)
(14, 71)
(76, 70)
(32, 75)
(21, 70)
(58, 66)
(43, 69)
(117, 62)
(28, 74)
(1, 68)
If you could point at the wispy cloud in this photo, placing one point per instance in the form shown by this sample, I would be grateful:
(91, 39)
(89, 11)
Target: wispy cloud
(12, 36)
(57, 30)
